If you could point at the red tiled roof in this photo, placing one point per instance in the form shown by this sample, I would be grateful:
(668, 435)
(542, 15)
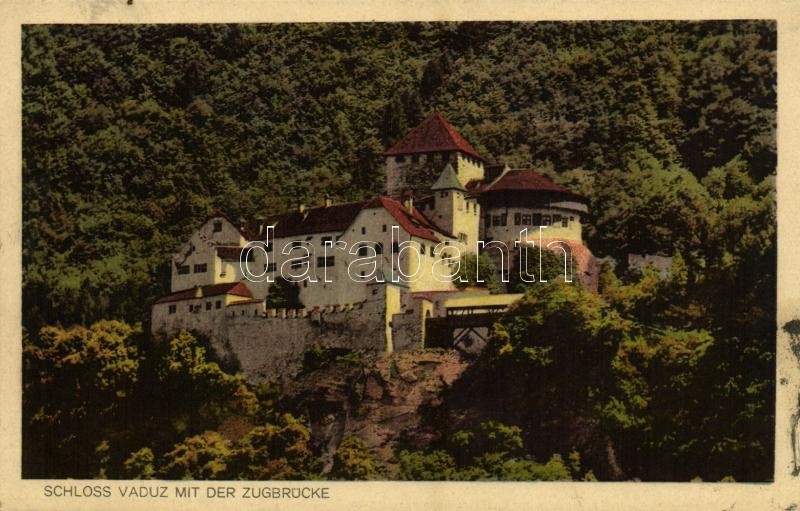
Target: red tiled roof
(413, 223)
(245, 302)
(335, 218)
(433, 134)
(231, 288)
(520, 179)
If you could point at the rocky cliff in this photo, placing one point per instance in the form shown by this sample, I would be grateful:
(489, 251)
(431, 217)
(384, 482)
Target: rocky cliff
(382, 399)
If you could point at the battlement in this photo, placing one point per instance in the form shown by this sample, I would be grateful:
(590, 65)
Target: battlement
(240, 310)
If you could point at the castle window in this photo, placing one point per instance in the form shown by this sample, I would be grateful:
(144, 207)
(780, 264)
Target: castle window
(504, 219)
(572, 219)
(173, 309)
(296, 243)
(268, 247)
(537, 219)
(379, 248)
(208, 306)
(305, 283)
(517, 218)
(526, 220)
(488, 220)
(363, 230)
(363, 274)
(200, 268)
(462, 237)
(218, 305)
(326, 239)
(556, 219)
(384, 227)
(191, 308)
(395, 247)
(270, 267)
(443, 194)
(325, 261)
(564, 222)
(362, 251)
(183, 269)
(422, 248)
(415, 158)
(546, 220)
(217, 225)
(399, 159)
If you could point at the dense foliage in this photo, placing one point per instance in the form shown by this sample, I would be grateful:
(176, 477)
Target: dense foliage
(131, 134)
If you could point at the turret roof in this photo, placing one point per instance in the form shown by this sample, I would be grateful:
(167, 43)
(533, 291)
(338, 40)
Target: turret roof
(448, 180)
(433, 134)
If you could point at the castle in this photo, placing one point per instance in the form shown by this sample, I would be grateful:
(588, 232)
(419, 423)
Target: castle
(368, 274)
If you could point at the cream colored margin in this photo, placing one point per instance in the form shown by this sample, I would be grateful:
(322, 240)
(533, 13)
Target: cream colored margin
(16, 494)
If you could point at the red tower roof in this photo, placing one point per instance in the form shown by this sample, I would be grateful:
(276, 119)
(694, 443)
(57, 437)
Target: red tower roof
(433, 134)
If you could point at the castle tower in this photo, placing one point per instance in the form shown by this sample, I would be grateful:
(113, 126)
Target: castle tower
(416, 160)
(454, 210)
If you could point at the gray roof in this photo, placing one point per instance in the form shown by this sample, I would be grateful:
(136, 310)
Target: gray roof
(448, 180)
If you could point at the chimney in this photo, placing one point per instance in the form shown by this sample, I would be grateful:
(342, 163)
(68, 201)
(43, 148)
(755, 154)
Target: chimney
(408, 200)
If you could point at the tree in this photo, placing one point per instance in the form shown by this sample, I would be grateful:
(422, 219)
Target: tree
(283, 295)
(471, 266)
(354, 462)
(79, 382)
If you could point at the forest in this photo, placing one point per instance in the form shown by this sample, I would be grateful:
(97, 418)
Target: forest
(133, 133)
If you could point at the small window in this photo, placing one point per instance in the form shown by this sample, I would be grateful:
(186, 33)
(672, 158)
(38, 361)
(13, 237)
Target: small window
(422, 248)
(200, 268)
(323, 262)
(363, 230)
(496, 220)
(517, 218)
(488, 220)
(537, 219)
(296, 243)
(363, 251)
(400, 159)
(395, 247)
(268, 247)
(305, 283)
(297, 264)
(326, 239)
(415, 158)
(363, 274)
(526, 220)
(217, 225)
(443, 195)
(270, 267)
(208, 306)
(462, 237)
(572, 219)
(545, 219)
(191, 308)
(556, 219)
(384, 227)
(173, 309)
(564, 222)
(183, 269)
(218, 304)
(504, 219)
(379, 248)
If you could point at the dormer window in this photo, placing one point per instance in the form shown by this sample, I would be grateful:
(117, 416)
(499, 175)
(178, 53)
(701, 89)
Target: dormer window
(217, 225)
